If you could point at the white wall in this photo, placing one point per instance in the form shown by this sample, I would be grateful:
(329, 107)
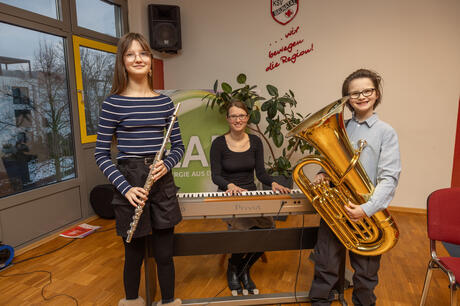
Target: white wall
(414, 45)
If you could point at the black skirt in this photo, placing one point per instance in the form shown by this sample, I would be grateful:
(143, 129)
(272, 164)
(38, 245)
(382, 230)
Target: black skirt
(161, 210)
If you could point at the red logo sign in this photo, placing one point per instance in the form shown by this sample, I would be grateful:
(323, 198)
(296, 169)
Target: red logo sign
(283, 11)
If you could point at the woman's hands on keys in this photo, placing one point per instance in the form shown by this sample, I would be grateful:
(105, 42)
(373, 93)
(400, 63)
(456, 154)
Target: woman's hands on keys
(280, 188)
(233, 189)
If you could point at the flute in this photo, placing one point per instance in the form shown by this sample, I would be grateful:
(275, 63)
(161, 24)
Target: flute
(149, 181)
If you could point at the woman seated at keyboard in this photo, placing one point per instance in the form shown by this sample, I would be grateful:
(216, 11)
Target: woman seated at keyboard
(234, 158)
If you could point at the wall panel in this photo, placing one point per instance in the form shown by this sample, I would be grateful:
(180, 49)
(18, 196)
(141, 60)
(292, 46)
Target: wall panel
(25, 222)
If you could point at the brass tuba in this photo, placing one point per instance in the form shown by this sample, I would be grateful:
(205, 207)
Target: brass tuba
(325, 130)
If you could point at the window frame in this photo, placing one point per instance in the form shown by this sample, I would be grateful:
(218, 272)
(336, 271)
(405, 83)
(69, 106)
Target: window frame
(64, 29)
(84, 32)
(77, 42)
(38, 18)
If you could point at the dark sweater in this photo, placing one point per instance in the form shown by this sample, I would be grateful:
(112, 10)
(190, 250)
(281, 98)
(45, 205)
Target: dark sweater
(139, 125)
(238, 167)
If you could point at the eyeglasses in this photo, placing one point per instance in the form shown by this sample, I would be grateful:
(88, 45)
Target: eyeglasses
(131, 56)
(236, 117)
(366, 93)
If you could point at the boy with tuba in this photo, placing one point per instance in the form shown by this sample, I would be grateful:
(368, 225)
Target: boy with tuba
(381, 161)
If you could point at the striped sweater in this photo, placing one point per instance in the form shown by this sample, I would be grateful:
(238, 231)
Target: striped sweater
(139, 125)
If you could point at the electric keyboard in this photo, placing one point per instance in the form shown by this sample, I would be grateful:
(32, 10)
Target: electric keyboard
(259, 203)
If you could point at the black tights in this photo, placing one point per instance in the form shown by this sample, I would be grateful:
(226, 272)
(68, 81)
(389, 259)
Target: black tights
(134, 254)
(244, 260)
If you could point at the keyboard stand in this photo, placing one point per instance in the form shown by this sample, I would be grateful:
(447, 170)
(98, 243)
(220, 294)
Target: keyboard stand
(235, 241)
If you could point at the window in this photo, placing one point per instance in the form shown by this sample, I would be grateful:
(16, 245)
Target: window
(47, 8)
(36, 142)
(100, 16)
(23, 118)
(20, 95)
(36, 126)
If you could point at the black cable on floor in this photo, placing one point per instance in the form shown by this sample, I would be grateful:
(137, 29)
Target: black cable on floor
(106, 230)
(33, 257)
(61, 247)
(45, 271)
(43, 288)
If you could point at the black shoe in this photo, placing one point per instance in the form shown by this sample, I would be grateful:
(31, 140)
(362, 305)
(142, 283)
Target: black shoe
(247, 282)
(232, 278)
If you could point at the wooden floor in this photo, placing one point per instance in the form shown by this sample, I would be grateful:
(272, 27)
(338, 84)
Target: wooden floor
(90, 269)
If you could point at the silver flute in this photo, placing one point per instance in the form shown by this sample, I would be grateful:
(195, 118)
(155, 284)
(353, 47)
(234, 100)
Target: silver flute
(149, 182)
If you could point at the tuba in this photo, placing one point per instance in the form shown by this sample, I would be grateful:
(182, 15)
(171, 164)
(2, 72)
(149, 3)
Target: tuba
(325, 130)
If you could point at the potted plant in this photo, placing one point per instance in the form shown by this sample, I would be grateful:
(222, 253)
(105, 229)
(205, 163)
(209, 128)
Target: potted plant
(280, 114)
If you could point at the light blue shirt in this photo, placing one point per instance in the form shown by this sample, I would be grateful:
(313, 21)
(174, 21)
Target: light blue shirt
(380, 158)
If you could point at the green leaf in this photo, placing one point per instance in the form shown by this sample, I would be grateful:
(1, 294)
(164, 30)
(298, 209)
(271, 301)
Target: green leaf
(241, 78)
(255, 117)
(283, 164)
(285, 100)
(265, 105)
(280, 108)
(271, 111)
(208, 100)
(215, 85)
(226, 97)
(213, 102)
(272, 90)
(226, 87)
(278, 139)
(250, 104)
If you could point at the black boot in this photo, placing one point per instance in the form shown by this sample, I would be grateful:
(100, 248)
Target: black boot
(247, 282)
(232, 278)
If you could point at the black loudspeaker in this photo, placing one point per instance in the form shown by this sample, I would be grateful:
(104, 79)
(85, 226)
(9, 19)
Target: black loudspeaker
(101, 200)
(164, 26)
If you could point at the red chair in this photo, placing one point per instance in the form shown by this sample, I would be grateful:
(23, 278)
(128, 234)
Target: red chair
(443, 208)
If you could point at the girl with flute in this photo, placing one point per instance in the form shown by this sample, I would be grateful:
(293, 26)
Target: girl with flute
(137, 117)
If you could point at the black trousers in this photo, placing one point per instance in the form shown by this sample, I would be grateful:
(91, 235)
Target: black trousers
(163, 251)
(329, 253)
(244, 260)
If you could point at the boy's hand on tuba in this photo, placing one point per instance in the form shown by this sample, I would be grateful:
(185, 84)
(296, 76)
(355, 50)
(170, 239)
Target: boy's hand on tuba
(355, 212)
(321, 177)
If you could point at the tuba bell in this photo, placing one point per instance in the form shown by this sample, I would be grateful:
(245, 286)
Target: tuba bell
(325, 130)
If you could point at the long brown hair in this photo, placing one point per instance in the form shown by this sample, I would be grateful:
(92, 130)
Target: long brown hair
(120, 76)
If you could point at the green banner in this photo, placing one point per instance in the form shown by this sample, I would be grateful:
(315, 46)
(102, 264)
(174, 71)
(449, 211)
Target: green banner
(199, 125)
